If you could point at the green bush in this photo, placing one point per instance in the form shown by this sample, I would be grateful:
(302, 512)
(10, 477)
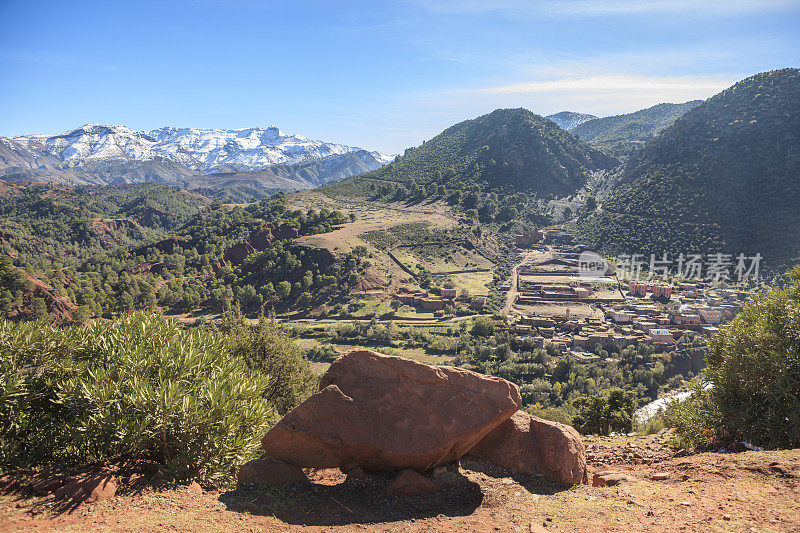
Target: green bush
(140, 387)
(610, 410)
(754, 372)
(696, 420)
(268, 351)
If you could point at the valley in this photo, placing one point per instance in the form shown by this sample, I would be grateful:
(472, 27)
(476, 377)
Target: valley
(213, 281)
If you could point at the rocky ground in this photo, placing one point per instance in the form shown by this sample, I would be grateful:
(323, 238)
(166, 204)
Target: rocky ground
(648, 486)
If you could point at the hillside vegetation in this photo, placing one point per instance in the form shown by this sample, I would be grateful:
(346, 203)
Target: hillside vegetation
(163, 248)
(140, 387)
(723, 176)
(506, 150)
(622, 134)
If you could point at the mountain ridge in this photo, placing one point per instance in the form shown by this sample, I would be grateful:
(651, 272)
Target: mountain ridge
(512, 149)
(725, 176)
(103, 154)
(622, 134)
(567, 120)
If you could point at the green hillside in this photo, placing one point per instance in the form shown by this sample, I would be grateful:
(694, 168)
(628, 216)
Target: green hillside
(725, 175)
(621, 134)
(511, 150)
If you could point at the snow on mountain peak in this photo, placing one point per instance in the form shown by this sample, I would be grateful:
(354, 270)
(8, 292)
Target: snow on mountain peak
(202, 150)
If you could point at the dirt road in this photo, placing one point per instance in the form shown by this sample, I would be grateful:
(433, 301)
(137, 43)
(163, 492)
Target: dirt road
(528, 257)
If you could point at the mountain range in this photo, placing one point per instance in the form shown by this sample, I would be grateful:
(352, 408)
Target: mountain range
(619, 135)
(725, 176)
(507, 149)
(101, 154)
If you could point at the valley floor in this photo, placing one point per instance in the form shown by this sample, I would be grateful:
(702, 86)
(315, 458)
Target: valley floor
(750, 491)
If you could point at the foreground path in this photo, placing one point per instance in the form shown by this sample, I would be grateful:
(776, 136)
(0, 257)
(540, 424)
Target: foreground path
(751, 491)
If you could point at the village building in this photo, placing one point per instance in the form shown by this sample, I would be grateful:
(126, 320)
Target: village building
(527, 239)
(637, 288)
(662, 291)
(662, 336)
(621, 317)
(478, 302)
(449, 293)
(710, 315)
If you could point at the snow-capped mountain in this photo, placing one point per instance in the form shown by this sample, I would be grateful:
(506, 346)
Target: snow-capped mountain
(567, 120)
(101, 154)
(201, 150)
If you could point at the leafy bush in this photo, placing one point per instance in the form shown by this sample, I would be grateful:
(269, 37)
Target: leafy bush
(696, 420)
(267, 350)
(324, 353)
(754, 371)
(610, 410)
(140, 387)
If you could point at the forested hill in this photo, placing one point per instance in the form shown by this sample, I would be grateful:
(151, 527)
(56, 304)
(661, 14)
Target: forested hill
(621, 134)
(76, 252)
(727, 171)
(508, 149)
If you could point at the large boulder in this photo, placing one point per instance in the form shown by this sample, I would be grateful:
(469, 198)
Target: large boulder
(381, 412)
(525, 444)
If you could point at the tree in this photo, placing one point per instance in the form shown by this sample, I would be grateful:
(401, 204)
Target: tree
(482, 327)
(283, 289)
(591, 204)
(396, 305)
(610, 410)
(304, 300)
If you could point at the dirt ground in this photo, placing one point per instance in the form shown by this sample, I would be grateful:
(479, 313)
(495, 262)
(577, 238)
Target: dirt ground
(750, 491)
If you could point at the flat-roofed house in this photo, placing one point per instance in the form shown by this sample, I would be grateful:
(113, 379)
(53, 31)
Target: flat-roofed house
(663, 336)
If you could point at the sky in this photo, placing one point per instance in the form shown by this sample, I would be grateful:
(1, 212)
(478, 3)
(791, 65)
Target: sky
(381, 75)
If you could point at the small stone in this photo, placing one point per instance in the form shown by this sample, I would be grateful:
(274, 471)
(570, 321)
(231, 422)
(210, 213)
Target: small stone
(536, 528)
(263, 472)
(194, 486)
(685, 504)
(660, 476)
(411, 483)
(609, 479)
(726, 517)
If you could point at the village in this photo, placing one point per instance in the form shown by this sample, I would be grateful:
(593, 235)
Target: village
(548, 300)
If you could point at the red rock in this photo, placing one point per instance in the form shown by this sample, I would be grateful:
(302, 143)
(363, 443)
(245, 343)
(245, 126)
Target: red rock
(525, 444)
(194, 486)
(261, 472)
(609, 479)
(383, 412)
(410, 483)
(89, 488)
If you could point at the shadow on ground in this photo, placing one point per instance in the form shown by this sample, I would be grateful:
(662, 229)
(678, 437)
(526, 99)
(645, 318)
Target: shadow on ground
(533, 484)
(355, 503)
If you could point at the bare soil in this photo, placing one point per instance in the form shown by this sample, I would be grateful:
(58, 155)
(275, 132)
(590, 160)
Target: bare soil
(667, 491)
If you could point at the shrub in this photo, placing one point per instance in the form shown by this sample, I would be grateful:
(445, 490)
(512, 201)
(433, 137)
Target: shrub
(482, 327)
(137, 387)
(754, 372)
(268, 351)
(610, 410)
(696, 420)
(323, 353)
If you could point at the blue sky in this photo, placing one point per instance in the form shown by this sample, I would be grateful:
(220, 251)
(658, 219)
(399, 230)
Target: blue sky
(380, 75)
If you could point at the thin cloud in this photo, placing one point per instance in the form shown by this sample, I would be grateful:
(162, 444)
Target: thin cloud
(614, 82)
(594, 8)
